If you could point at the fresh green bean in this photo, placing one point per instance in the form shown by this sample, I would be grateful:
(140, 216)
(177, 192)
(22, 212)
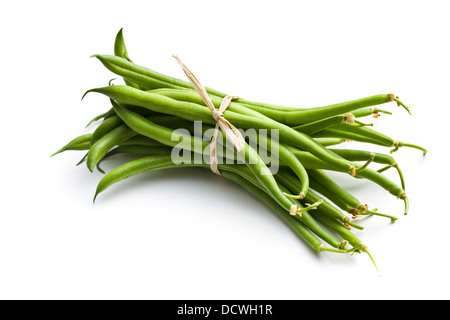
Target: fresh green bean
(332, 133)
(142, 141)
(150, 79)
(120, 50)
(316, 126)
(296, 118)
(195, 112)
(342, 198)
(79, 143)
(106, 126)
(284, 178)
(106, 142)
(311, 162)
(372, 136)
(130, 149)
(363, 155)
(170, 137)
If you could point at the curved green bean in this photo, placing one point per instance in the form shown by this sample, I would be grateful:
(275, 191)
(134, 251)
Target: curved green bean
(79, 143)
(195, 112)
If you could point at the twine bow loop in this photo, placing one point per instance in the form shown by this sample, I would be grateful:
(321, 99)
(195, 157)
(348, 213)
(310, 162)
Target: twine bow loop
(230, 131)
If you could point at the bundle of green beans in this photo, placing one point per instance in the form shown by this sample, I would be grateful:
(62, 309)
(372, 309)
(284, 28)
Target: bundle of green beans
(145, 114)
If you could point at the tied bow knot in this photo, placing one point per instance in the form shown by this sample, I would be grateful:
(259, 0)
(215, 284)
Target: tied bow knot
(231, 132)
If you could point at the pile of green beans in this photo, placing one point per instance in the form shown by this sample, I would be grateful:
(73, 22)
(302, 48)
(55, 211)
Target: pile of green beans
(145, 114)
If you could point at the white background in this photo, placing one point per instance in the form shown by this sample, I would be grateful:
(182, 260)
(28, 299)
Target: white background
(188, 234)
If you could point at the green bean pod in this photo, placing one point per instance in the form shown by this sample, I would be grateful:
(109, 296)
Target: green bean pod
(120, 50)
(105, 143)
(297, 118)
(316, 126)
(149, 79)
(352, 203)
(332, 133)
(106, 126)
(195, 112)
(285, 178)
(79, 143)
(363, 155)
(172, 138)
(364, 134)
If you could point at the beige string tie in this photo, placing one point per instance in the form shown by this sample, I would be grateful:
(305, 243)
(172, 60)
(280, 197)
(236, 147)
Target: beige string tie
(230, 131)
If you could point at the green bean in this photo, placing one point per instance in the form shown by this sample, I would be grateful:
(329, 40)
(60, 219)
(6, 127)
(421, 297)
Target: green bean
(106, 142)
(189, 95)
(332, 133)
(240, 107)
(366, 132)
(311, 162)
(312, 224)
(170, 137)
(150, 79)
(106, 126)
(84, 157)
(284, 178)
(332, 215)
(79, 143)
(130, 149)
(284, 154)
(142, 141)
(362, 155)
(195, 112)
(326, 213)
(296, 118)
(316, 126)
(331, 186)
(113, 121)
(286, 157)
(120, 50)
(330, 195)
(144, 77)
(381, 139)
(342, 198)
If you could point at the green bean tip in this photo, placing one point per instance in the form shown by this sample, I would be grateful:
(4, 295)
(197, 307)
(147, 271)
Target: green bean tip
(54, 154)
(90, 90)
